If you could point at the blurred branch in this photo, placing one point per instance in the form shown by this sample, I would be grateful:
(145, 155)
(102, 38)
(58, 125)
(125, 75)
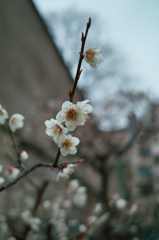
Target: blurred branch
(25, 172)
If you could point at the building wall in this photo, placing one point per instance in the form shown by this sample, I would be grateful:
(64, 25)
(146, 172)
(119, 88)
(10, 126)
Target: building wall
(31, 69)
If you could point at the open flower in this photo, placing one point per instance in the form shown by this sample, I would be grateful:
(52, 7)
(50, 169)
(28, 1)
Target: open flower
(93, 56)
(3, 115)
(16, 121)
(55, 130)
(67, 170)
(74, 114)
(69, 145)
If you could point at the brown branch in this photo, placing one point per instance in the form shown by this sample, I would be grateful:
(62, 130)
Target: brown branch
(37, 165)
(25, 172)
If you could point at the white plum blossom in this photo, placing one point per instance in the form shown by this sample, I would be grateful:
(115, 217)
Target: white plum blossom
(28, 218)
(73, 185)
(74, 114)
(67, 203)
(82, 228)
(55, 130)
(121, 204)
(47, 204)
(93, 56)
(3, 115)
(91, 219)
(133, 209)
(80, 198)
(98, 208)
(12, 172)
(69, 145)
(23, 155)
(2, 180)
(16, 122)
(66, 171)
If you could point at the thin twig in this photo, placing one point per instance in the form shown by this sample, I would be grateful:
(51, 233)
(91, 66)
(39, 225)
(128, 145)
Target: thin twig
(83, 39)
(78, 73)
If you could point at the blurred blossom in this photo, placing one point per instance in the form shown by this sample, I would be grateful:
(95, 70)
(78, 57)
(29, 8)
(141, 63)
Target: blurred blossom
(73, 222)
(2, 180)
(80, 198)
(133, 209)
(67, 203)
(91, 219)
(23, 155)
(61, 228)
(82, 228)
(16, 122)
(3, 115)
(12, 172)
(3, 227)
(47, 204)
(62, 213)
(73, 185)
(133, 228)
(98, 208)
(81, 190)
(121, 204)
(93, 56)
(32, 221)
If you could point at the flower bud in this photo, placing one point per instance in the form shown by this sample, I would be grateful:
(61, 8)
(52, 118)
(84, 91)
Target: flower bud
(3, 115)
(23, 155)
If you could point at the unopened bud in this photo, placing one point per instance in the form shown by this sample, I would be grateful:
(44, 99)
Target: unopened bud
(23, 155)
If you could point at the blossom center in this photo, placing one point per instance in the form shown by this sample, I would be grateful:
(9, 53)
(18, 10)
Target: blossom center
(90, 54)
(71, 114)
(67, 144)
(57, 129)
(14, 120)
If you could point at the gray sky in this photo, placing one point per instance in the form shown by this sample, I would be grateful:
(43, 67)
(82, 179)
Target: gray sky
(133, 28)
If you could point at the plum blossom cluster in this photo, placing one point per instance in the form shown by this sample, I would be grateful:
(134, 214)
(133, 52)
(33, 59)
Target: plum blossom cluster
(32, 221)
(70, 116)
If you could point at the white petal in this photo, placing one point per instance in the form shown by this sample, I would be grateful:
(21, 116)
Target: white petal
(93, 65)
(76, 141)
(83, 103)
(88, 108)
(71, 125)
(66, 105)
(63, 152)
(48, 123)
(96, 48)
(72, 150)
(61, 117)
